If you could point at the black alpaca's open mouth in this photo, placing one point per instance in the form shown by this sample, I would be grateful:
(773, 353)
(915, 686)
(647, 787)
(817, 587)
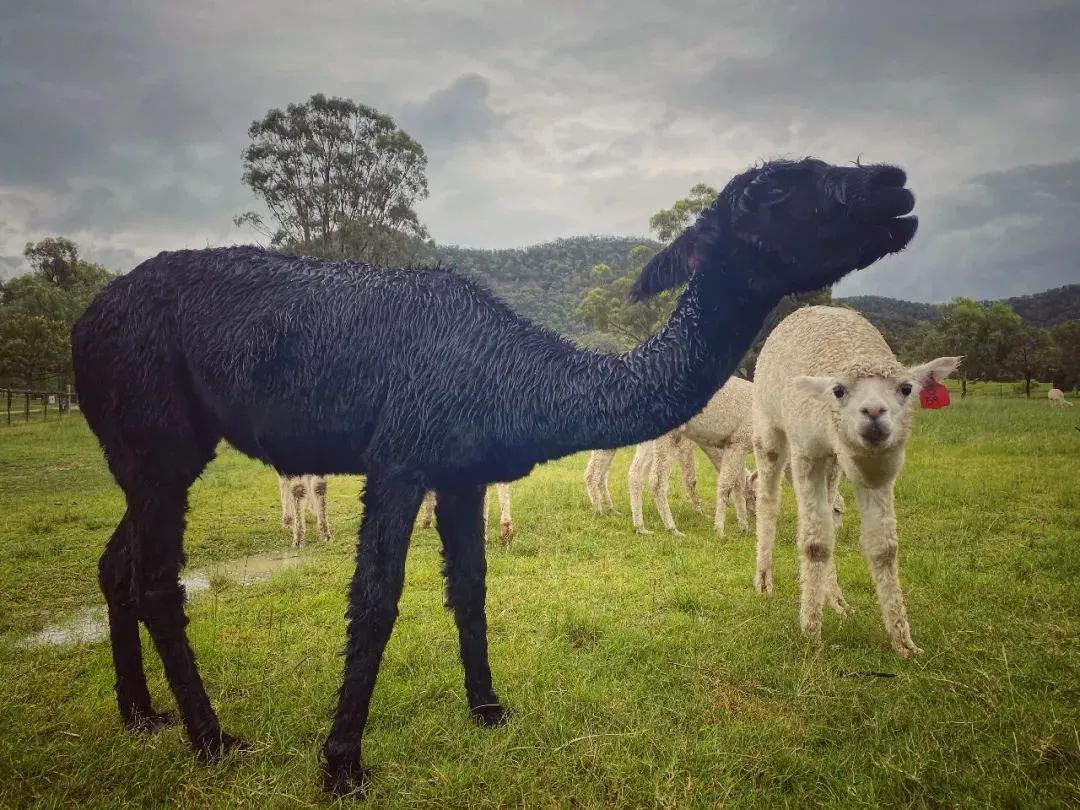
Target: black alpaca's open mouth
(895, 226)
(899, 231)
(890, 236)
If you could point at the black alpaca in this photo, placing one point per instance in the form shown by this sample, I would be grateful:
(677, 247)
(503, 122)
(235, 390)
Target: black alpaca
(417, 379)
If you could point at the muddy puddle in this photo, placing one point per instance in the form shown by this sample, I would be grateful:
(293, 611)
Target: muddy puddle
(91, 623)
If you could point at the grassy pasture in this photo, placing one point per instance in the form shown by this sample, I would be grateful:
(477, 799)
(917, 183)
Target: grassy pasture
(643, 670)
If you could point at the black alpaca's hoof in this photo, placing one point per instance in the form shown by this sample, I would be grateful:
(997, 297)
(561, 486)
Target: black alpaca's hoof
(349, 780)
(213, 747)
(490, 715)
(150, 722)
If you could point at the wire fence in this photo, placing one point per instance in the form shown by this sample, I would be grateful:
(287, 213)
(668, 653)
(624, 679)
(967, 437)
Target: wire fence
(20, 405)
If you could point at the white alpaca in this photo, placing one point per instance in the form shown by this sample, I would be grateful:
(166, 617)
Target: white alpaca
(506, 524)
(652, 463)
(828, 391)
(724, 432)
(1057, 398)
(599, 465)
(298, 493)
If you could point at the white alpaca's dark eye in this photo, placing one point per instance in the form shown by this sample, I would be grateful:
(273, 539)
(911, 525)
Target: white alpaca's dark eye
(839, 391)
(905, 389)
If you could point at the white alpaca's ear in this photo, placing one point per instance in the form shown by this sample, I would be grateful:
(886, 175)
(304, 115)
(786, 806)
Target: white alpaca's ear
(817, 386)
(936, 370)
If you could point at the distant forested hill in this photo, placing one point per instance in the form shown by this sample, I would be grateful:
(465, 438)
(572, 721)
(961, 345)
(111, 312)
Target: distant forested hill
(1048, 308)
(904, 319)
(546, 282)
(900, 320)
(543, 282)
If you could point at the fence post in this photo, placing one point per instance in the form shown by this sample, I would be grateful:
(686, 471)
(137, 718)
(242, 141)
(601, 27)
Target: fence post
(9, 406)
(45, 407)
(26, 405)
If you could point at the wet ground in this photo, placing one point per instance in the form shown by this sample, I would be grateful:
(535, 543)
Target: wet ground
(91, 623)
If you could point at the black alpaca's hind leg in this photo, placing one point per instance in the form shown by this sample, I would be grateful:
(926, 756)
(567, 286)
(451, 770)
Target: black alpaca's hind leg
(460, 522)
(390, 508)
(157, 516)
(115, 579)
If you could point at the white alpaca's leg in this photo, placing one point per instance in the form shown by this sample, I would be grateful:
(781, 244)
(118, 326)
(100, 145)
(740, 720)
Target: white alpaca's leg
(607, 459)
(487, 492)
(815, 538)
(596, 480)
(318, 502)
(749, 489)
(640, 468)
(881, 548)
(427, 509)
(285, 491)
(591, 489)
(298, 488)
(835, 498)
(835, 596)
(729, 484)
(665, 453)
(689, 472)
(506, 523)
(738, 491)
(716, 456)
(770, 451)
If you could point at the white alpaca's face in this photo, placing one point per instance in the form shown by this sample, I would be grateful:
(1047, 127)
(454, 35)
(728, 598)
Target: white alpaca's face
(873, 413)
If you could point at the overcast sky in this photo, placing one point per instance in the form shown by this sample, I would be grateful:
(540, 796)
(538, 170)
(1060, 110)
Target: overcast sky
(121, 124)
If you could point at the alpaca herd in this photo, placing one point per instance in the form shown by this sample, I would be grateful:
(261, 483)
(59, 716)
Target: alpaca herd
(302, 492)
(421, 380)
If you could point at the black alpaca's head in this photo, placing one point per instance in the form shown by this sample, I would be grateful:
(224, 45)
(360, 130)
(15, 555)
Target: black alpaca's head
(817, 221)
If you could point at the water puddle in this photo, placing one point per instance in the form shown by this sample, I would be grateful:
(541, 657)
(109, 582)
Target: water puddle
(91, 624)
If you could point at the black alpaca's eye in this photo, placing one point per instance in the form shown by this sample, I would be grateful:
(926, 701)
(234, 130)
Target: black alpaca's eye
(905, 389)
(839, 391)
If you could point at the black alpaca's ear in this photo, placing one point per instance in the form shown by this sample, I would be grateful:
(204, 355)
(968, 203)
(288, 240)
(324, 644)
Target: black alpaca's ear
(669, 268)
(762, 191)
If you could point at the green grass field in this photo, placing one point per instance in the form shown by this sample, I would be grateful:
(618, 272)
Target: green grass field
(643, 670)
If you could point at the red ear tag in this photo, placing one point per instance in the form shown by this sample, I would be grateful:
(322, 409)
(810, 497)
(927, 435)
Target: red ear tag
(934, 395)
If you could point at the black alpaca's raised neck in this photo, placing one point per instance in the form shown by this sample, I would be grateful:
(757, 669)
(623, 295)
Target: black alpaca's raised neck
(619, 400)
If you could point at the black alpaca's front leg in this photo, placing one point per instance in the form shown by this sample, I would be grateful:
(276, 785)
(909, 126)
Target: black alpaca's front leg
(460, 520)
(390, 508)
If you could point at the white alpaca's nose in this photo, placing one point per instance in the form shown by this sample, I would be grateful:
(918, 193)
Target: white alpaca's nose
(875, 410)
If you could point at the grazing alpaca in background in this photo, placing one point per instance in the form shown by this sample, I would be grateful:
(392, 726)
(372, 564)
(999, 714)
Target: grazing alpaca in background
(828, 392)
(417, 379)
(298, 493)
(1057, 398)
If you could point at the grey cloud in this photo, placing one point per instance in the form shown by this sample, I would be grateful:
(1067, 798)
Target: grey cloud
(123, 123)
(1003, 234)
(902, 54)
(113, 258)
(453, 115)
(11, 266)
(1050, 192)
